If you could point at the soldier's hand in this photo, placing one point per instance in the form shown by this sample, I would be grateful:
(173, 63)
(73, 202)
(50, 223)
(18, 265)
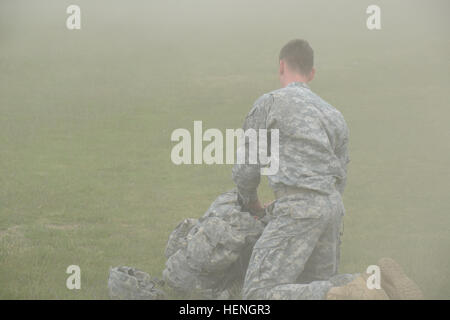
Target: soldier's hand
(268, 203)
(255, 208)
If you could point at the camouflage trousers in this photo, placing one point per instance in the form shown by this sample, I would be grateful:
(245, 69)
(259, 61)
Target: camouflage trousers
(297, 255)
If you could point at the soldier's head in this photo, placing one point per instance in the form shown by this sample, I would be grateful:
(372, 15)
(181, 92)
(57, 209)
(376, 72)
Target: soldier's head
(296, 62)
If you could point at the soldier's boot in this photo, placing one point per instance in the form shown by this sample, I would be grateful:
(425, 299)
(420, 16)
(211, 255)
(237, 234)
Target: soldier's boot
(356, 290)
(396, 283)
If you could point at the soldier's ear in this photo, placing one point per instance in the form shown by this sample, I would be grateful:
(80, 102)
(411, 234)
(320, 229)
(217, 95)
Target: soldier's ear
(312, 74)
(282, 66)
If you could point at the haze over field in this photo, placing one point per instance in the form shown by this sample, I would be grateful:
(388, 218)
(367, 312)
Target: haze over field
(86, 118)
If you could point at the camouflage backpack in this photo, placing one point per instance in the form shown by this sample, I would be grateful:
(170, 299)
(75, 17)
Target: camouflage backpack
(211, 253)
(127, 283)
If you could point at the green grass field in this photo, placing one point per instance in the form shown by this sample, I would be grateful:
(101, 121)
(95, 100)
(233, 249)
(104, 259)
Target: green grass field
(86, 117)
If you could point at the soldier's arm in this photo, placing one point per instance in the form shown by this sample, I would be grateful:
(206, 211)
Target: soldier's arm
(247, 176)
(342, 154)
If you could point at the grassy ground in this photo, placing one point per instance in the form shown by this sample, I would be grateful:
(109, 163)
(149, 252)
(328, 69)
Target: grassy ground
(86, 118)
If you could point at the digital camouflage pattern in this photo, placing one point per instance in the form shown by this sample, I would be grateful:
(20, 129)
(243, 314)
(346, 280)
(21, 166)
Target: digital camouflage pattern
(313, 139)
(209, 254)
(297, 255)
(127, 283)
(177, 238)
(294, 249)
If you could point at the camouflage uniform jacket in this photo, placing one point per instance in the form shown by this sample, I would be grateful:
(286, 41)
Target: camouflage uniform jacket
(313, 141)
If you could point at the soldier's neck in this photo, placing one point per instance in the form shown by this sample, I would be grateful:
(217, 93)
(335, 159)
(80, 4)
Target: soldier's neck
(293, 78)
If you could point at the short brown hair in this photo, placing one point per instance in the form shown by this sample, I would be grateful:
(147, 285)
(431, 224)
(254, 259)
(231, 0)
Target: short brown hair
(298, 55)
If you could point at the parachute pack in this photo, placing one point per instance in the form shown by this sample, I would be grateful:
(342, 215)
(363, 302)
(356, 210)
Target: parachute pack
(212, 253)
(208, 255)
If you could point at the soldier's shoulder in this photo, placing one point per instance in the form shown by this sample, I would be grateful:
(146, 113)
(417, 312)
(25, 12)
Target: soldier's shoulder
(263, 103)
(281, 92)
(265, 99)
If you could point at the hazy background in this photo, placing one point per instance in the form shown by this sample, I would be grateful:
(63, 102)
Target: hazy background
(86, 117)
